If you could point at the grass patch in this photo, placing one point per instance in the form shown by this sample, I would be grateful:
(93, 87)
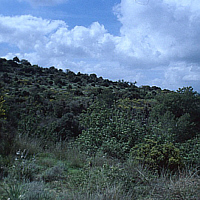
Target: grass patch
(66, 173)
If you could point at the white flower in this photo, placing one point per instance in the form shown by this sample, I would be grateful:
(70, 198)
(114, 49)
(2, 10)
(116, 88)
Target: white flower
(18, 152)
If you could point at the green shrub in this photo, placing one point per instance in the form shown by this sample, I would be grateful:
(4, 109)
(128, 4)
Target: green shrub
(110, 130)
(190, 150)
(157, 156)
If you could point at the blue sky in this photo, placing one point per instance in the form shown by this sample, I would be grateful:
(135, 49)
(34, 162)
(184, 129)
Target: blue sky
(149, 41)
(73, 12)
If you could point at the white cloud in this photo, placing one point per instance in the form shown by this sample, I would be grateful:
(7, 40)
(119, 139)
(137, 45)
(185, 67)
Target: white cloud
(159, 31)
(27, 31)
(159, 43)
(177, 75)
(52, 43)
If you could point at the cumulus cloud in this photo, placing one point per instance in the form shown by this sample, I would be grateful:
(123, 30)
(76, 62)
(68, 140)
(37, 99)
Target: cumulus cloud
(158, 44)
(159, 34)
(27, 31)
(52, 43)
(180, 74)
(160, 31)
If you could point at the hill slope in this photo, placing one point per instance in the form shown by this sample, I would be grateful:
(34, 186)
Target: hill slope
(56, 122)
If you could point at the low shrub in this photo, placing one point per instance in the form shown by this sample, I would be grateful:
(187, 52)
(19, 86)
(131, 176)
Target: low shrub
(157, 156)
(54, 173)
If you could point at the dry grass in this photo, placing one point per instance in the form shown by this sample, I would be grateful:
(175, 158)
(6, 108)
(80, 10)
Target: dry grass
(183, 186)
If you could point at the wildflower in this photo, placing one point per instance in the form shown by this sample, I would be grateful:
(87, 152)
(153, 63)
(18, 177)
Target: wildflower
(18, 152)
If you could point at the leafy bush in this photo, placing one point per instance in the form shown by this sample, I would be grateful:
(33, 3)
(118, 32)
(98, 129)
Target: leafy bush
(184, 107)
(190, 151)
(157, 156)
(110, 130)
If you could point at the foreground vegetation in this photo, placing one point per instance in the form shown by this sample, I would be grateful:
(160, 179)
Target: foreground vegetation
(77, 136)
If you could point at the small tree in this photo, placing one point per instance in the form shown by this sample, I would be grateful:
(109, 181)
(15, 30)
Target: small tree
(16, 59)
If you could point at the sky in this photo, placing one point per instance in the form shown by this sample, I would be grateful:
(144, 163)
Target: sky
(152, 42)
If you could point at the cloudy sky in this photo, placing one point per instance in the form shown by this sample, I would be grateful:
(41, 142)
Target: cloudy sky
(153, 42)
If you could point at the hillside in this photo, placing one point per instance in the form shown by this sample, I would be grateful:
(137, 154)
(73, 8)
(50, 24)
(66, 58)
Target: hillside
(79, 136)
(49, 94)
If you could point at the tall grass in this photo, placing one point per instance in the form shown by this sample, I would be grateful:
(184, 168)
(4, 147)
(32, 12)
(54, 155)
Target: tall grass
(63, 172)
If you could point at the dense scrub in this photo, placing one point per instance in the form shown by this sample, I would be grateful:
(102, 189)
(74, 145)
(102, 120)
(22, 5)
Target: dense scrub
(64, 132)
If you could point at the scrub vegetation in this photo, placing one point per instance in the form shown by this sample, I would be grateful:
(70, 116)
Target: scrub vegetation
(77, 136)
